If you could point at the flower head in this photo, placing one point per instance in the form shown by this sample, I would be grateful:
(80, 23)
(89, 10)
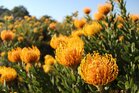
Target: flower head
(56, 41)
(7, 35)
(105, 9)
(87, 10)
(7, 74)
(98, 69)
(29, 55)
(14, 55)
(91, 29)
(52, 26)
(99, 16)
(71, 53)
(79, 23)
(49, 60)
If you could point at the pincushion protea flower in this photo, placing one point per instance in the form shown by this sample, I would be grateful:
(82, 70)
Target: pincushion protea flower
(87, 10)
(105, 9)
(56, 41)
(7, 74)
(79, 23)
(14, 55)
(29, 55)
(91, 29)
(71, 53)
(7, 35)
(98, 70)
(49, 60)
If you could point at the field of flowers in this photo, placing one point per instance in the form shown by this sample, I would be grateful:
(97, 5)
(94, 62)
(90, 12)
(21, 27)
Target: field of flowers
(98, 54)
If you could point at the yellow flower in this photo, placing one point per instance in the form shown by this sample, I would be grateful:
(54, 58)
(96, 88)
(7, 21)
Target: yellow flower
(121, 38)
(56, 41)
(2, 54)
(28, 66)
(20, 38)
(120, 25)
(7, 74)
(49, 60)
(134, 17)
(52, 26)
(99, 16)
(77, 33)
(14, 55)
(71, 53)
(29, 55)
(87, 10)
(98, 70)
(47, 68)
(79, 23)
(7, 35)
(91, 29)
(105, 9)
(120, 19)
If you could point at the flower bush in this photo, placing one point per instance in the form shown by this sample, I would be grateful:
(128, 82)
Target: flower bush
(98, 54)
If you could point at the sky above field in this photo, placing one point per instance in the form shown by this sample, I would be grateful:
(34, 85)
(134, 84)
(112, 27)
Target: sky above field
(58, 9)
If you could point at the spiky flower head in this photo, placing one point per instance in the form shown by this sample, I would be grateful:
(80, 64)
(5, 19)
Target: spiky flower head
(86, 10)
(97, 69)
(79, 23)
(14, 55)
(57, 40)
(71, 53)
(29, 55)
(7, 35)
(105, 8)
(91, 29)
(7, 74)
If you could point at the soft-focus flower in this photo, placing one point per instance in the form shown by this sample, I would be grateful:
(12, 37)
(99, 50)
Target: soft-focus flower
(49, 60)
(105, 8)
(134, 17)
(79, 23)
(7, 74)
(97, 69)
(20, 38)
(120, 25)
(14, 55)
(29, 55)
(2, 54)
(7, 35)
(87, 10)
(99, 16)
(77, 33)
(119, 19)
(71, 53)
(52, 26)
(47, 68)
(56, 41)
(121, 38)
(28, 66)
(91, 29)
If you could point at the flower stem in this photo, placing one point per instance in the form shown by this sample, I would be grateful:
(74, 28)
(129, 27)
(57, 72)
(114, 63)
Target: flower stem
(100, 89)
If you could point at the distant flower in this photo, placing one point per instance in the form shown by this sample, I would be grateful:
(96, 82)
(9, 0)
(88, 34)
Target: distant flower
(77, 33)
(134, 17)
(121, 38)
(91, 29)
(49, 60)
(97, 69)
(87, 10)
(29, 55)
(57, 40)
(7, 74)
(52, 26)
(120, 25)
(119, 19)
(14, 55)
(71, 53)
(105, 8)
(79, 23)
(7, 35)
(99, 16)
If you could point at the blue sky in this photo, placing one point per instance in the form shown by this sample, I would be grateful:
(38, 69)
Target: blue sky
(58, 9)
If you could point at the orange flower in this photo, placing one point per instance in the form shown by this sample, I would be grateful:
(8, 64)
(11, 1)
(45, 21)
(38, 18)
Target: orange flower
(121, 38)
(77, 33)
(56, 41)
(98, 70)
(7, 74)
(134, 17)
(71, 53)
(87, 10)
(120, 19)
(79, 23)
(49, 60)
(29, 55)
(120, 25)
(14, 55)
(105, 9)
(7, 35)
(99, 16)
(52, 26)
(91, 29)
(47, 68)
